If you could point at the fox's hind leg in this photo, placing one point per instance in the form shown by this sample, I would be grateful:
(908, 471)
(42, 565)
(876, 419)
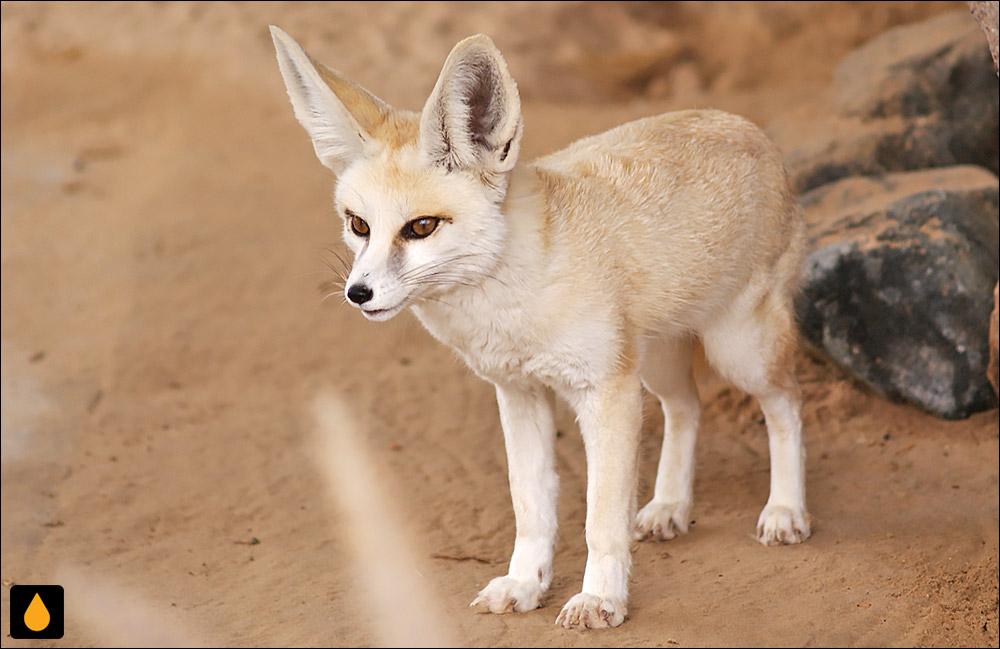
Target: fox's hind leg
(666, 372)
(753, 346)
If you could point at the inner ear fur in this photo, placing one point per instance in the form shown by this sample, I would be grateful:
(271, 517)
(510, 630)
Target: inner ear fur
(472, 119)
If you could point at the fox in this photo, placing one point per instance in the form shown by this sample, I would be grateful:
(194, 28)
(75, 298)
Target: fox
(590, 274)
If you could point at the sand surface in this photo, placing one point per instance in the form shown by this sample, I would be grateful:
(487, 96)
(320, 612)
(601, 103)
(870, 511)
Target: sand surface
(165, 337)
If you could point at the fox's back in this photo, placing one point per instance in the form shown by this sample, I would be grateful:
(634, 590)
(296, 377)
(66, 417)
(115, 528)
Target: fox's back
(685, 208)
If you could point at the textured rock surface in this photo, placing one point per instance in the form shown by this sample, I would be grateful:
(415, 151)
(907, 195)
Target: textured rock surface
(918, 96)
(900, 277)
(993, 374)
(987, 13)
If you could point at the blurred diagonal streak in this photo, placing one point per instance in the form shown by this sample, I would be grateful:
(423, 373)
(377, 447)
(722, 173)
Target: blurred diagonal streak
(403, 612)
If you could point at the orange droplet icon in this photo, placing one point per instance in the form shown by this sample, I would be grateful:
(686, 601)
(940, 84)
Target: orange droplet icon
(36, 617)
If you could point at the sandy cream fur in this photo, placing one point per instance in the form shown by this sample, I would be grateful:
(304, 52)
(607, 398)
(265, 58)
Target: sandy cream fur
(587, 274)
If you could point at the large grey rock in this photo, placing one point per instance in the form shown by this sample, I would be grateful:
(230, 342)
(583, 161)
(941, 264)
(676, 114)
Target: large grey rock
(918, 96)
(900, 280)
(993, 371)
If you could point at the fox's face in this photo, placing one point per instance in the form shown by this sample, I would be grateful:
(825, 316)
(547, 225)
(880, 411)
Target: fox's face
(416, 231)
(420, 194)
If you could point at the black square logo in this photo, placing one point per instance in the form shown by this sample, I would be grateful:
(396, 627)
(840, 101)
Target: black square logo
(36, 612)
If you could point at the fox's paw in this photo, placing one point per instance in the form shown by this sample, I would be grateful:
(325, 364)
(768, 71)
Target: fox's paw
(662, 521)
(585, 611)
(780, 525)
(506, 594)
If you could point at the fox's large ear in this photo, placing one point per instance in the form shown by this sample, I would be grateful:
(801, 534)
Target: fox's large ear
(472, 120)
(339, 115)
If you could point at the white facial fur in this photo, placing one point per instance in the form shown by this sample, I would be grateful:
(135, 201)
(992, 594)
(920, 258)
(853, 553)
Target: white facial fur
(462, 250)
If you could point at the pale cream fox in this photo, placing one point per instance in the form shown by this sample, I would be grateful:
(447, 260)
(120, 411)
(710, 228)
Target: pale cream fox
(587, 274)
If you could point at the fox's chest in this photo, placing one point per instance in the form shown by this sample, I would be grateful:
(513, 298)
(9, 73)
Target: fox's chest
(566, 354)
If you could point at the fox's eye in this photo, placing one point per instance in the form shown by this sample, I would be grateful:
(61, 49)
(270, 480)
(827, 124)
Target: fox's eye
(359, 226)
(420, 228)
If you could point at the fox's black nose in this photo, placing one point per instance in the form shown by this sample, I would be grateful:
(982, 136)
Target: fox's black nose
(359, 294)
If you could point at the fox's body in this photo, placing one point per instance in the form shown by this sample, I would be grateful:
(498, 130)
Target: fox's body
(588, 273)
(616, 239)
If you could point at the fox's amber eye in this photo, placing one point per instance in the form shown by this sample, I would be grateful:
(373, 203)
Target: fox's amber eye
(359, 226)
(420, 228)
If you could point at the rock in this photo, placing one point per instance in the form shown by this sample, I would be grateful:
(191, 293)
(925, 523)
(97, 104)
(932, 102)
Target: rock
(913, 70)
(987, 13)
(993, 373)
(899, 279)
(917, 96)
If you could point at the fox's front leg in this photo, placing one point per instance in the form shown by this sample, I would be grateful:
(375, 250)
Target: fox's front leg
(610, 421)
(529, 435)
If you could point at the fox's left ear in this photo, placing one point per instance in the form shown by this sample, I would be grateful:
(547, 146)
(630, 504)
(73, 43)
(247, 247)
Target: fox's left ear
(472, 120)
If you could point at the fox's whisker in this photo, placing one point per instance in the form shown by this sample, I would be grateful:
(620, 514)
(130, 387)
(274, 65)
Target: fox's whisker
(343, 262)
(333, 294)
(433, 265)
(310, 273)
(343, 270)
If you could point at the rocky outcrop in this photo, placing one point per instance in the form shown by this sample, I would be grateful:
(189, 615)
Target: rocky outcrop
(993, 372)
(900, 276)
(987, 14)
(918, 96)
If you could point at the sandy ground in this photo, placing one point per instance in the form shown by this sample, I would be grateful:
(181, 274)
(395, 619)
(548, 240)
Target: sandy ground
(165, 337)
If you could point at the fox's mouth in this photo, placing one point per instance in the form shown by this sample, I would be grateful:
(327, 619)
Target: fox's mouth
(381, 315)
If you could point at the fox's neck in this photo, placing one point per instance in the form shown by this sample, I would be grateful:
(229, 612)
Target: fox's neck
(515, 282)
(528, 227)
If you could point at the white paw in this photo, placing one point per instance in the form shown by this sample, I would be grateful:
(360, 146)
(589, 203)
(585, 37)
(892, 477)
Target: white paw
(779, 525)
(662, 521)
(506, 594)
(585, 611)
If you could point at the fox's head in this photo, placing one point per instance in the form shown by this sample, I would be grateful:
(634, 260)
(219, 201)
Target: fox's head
(420, 193)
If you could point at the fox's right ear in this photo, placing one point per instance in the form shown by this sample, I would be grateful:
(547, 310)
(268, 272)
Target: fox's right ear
(338, 114)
